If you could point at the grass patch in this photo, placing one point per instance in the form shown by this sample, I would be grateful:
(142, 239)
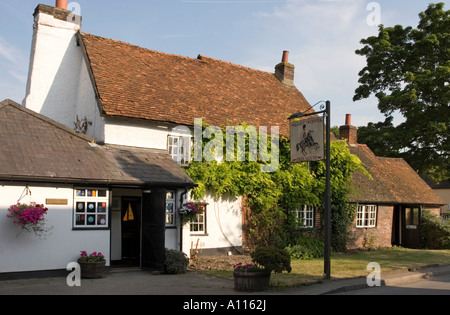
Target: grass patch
(349, 265)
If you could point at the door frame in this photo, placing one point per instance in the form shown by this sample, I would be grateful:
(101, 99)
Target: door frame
(407, 229)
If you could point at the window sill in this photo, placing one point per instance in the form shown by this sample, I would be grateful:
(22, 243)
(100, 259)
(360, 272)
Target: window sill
(203, 234)
(91, 229)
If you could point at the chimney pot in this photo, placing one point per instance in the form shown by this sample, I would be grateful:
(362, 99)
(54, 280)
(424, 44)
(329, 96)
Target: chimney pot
(285, 56)
(348, 119)
(349, 132)
(62, 4)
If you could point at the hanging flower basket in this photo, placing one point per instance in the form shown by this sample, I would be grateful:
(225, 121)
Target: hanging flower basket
(30, 218)
(189, 211)
(92, 266)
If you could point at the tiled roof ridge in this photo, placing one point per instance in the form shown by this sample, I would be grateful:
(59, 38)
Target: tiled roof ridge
(205, 58)
(84, 34)
(200, 57)
(8, 102)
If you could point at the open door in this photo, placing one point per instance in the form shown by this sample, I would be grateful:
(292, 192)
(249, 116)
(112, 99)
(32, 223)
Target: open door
(153, 229)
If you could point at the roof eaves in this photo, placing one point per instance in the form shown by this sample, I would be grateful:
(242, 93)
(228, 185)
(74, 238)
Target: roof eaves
(80, 40)
(88, 181)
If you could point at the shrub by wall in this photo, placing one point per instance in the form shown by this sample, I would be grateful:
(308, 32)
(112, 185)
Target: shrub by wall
(435, 232)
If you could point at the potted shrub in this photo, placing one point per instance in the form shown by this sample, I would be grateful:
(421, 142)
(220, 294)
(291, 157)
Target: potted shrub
(30, 218)
(256, 277)
(92, 266)
(250, 277)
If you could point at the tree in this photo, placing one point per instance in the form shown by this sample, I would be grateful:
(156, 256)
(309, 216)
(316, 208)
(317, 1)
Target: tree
(408, 70)
(381, 138)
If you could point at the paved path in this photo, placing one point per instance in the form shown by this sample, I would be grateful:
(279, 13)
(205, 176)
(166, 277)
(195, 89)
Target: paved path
(138, 282)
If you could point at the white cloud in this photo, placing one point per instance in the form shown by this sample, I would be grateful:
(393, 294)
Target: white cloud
(7, 51)
(322, 37)
(14, 64)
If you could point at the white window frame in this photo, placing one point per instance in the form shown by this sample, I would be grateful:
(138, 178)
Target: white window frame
(305, 216)
(170, 208)
(179, 148)
(366, 216)
(198, 226)
(84, 197)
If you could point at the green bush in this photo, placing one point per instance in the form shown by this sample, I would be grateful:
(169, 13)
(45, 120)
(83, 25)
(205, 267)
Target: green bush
(306, 248)
(175, 262)
(435, 232)
(272, 259)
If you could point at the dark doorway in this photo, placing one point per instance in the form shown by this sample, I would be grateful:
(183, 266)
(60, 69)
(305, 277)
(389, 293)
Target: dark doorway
(397, 227)
(406, 226)
(131, 231)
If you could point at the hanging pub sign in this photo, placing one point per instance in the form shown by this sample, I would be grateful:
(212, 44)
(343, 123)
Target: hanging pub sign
(307, 140)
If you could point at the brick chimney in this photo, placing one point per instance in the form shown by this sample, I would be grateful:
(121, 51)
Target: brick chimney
(349, 132)
(284, 71)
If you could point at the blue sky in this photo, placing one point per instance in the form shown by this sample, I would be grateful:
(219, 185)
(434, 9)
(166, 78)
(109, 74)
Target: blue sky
(321, 36)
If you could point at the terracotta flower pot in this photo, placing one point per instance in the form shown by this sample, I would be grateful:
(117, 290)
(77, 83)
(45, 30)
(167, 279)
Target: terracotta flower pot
(92, 270)
(251, 281)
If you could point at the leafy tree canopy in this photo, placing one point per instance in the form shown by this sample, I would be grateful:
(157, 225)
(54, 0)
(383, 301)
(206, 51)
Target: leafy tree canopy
(408, 70)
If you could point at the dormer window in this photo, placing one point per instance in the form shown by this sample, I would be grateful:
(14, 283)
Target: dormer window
(179, 148)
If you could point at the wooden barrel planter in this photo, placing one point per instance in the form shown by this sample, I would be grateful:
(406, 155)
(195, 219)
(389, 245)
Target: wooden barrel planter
(251, 281)
(92, 270)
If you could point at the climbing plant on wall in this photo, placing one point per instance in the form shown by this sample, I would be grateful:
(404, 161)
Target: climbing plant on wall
(270, 195)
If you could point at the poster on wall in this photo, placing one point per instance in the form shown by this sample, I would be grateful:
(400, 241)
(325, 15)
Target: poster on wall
(307, 140)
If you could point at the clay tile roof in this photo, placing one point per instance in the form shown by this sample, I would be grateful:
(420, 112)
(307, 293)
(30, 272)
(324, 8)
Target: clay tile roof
(37, 148)
(140, 83)
(393, 181)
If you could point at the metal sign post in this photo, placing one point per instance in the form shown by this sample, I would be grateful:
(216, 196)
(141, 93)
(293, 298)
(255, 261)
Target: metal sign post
(304, 147)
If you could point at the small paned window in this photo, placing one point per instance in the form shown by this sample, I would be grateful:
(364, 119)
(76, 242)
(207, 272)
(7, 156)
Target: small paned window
(305, 216)
(198, 225)
(366, 216)
(91, 208)
(170, 208)
(179, 148)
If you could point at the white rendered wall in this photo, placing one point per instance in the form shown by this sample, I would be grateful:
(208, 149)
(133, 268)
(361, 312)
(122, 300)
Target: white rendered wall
(87, 106)
(140, 133)
(223, 226)
(25, 252)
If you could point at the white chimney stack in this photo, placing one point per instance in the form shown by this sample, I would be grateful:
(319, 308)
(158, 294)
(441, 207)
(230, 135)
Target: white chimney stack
(55, 63)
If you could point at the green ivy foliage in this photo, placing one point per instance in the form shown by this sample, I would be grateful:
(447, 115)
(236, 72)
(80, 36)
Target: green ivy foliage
(271, 195)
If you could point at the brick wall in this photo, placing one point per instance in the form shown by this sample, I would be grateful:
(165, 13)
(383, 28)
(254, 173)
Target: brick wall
(379, 236)
(436, 211)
